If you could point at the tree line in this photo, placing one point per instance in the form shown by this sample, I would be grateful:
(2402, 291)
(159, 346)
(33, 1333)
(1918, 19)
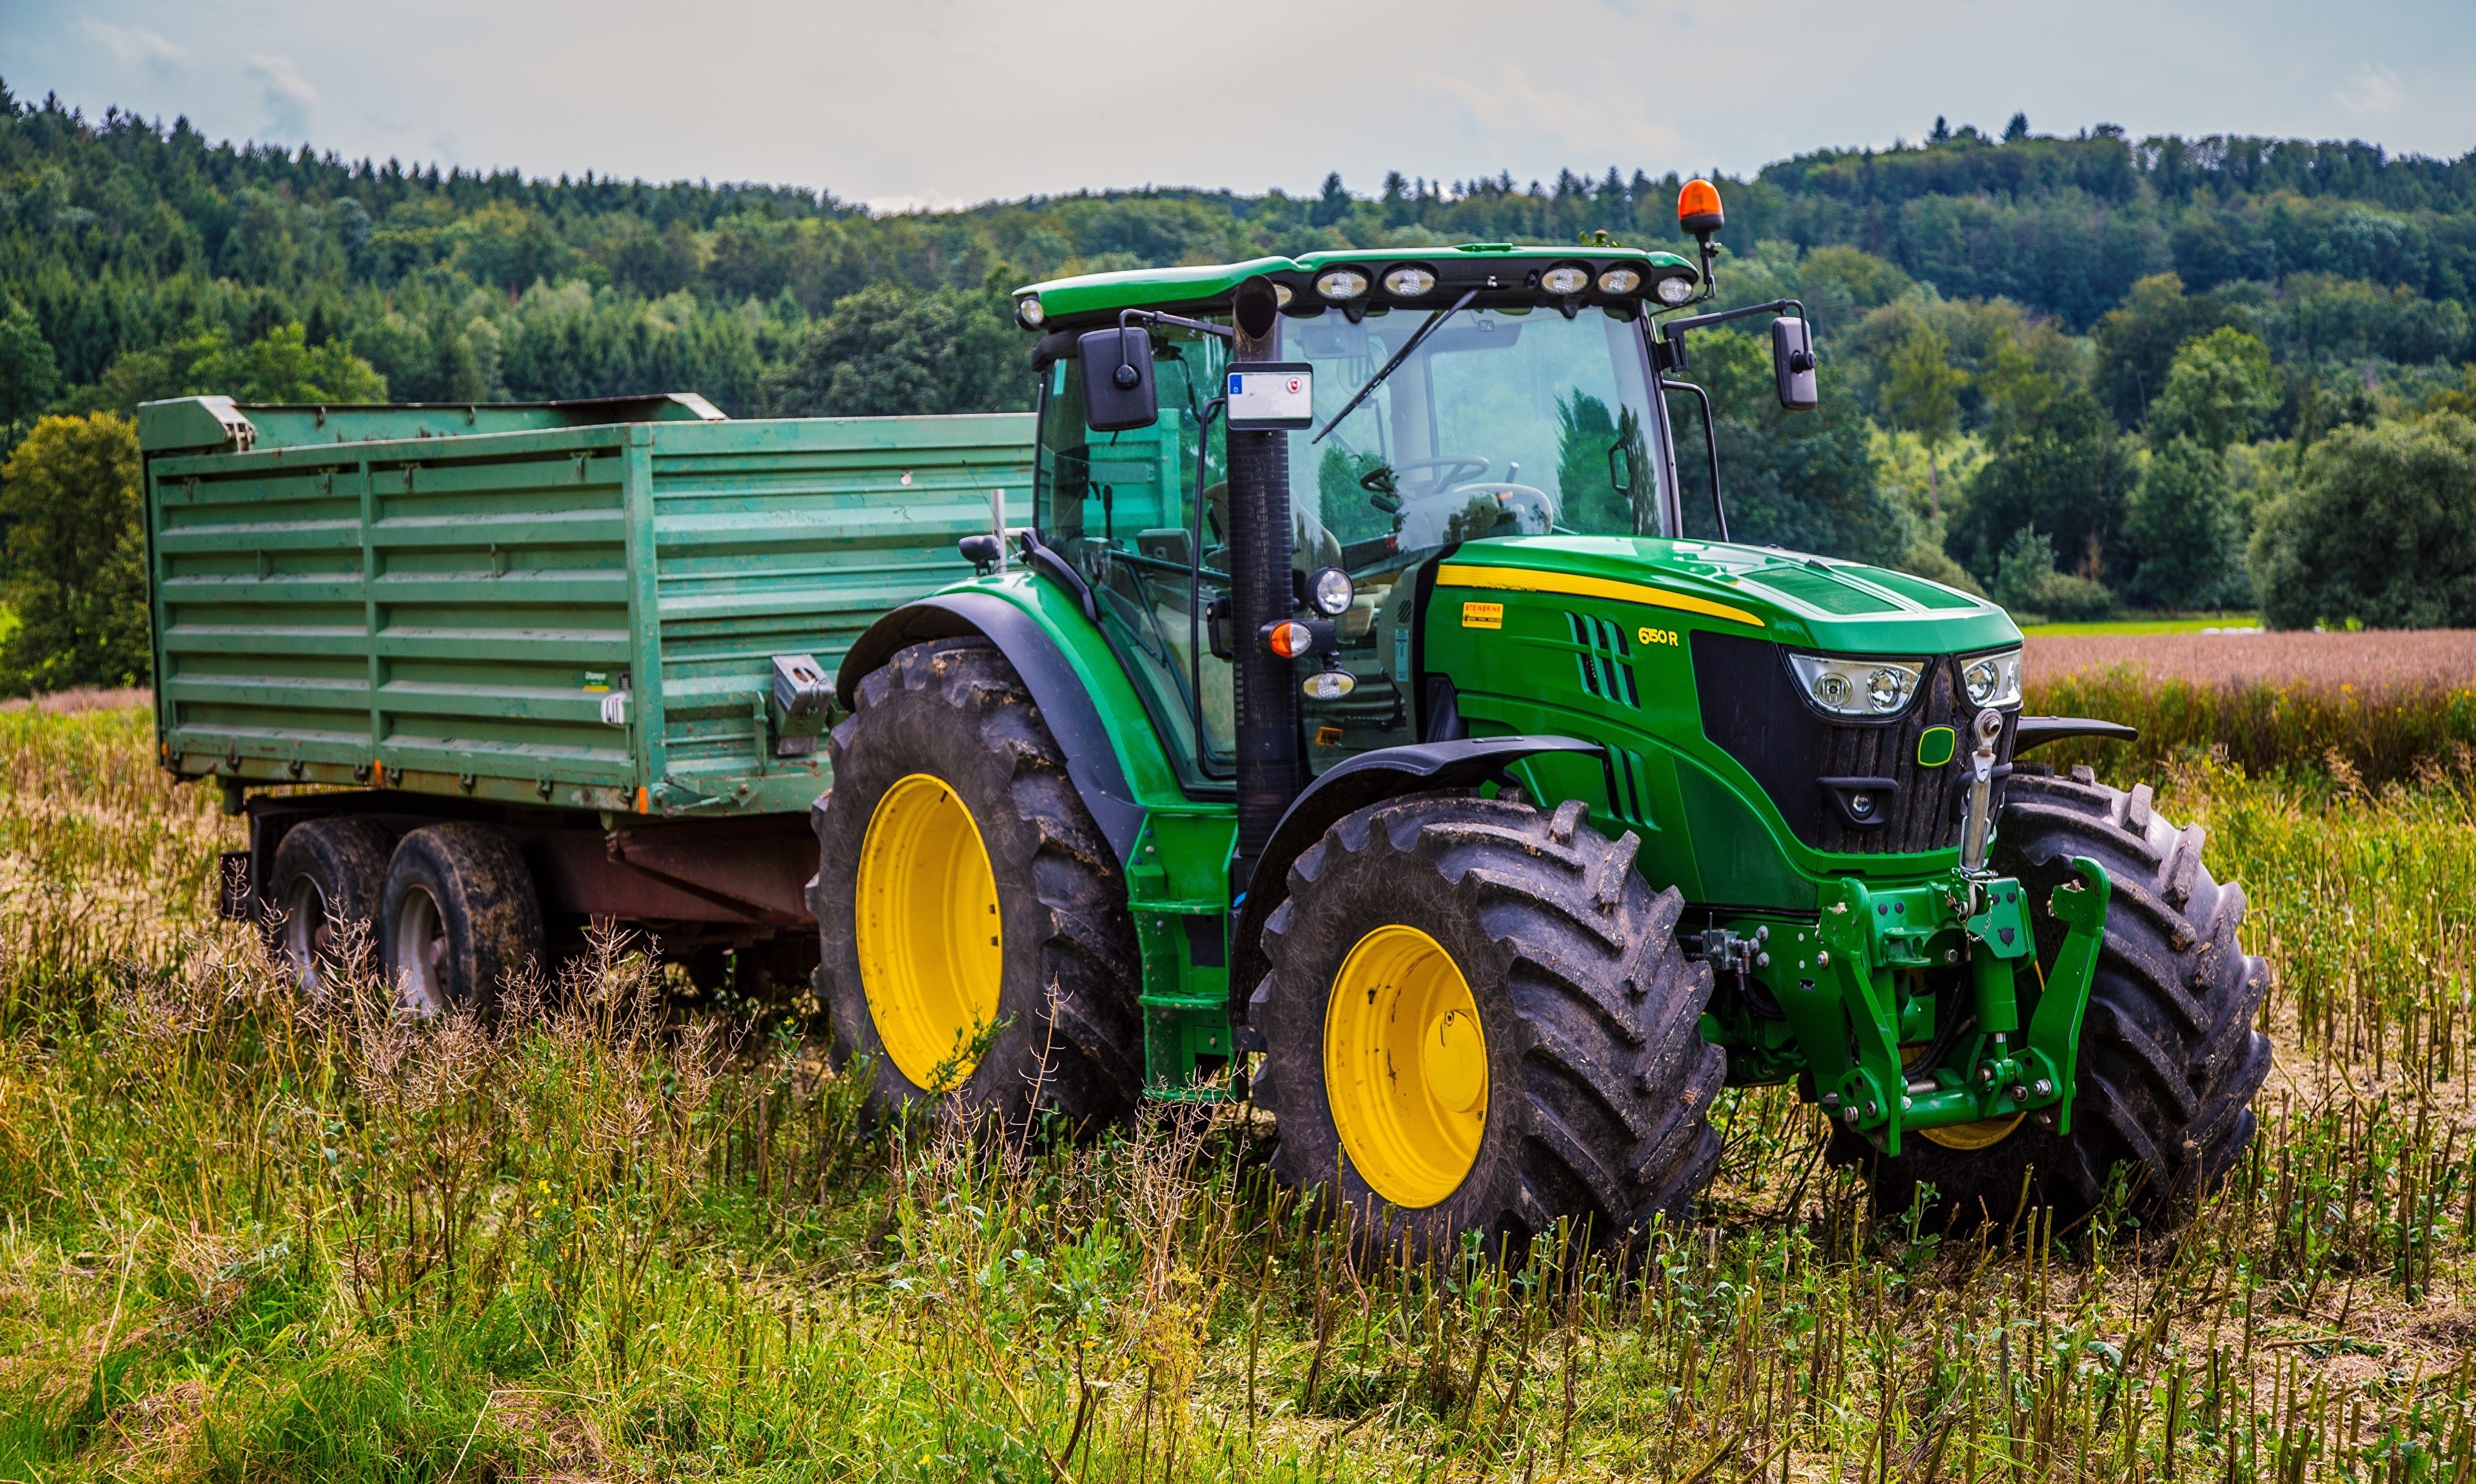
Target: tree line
(2080, 372)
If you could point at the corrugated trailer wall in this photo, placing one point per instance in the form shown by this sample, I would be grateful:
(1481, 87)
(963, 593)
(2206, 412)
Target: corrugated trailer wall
(451, 614)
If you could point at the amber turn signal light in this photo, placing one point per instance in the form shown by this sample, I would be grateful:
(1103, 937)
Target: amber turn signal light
(1697, 208)
(1290, 639)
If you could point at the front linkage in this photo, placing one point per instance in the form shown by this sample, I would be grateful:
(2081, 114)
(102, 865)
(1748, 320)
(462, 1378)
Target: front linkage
(1967, 917)
(1843, 995)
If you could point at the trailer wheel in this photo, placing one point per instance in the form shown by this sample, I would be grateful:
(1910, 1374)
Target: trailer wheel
(459, 916)
(327, 872)
(2170, 1059)
(972, 920)
(1479, 1019)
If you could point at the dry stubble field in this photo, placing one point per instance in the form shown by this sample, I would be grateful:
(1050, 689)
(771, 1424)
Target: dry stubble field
(601, 1238)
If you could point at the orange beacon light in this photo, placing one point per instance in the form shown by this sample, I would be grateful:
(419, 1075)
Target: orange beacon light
(1697, 208)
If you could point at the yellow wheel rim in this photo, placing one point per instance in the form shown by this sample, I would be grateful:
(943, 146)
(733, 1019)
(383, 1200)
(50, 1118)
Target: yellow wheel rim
(1405, 1066)
(930, 948)
(1985, 1133)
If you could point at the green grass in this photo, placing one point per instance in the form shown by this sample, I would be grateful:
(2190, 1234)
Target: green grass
(2187, 622)
(244, 1237)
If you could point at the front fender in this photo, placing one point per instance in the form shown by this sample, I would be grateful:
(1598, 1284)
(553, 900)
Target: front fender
(1065, 702)
(1348, 786)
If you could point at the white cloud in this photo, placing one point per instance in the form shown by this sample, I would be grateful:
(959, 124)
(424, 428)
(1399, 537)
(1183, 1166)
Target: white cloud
(2371, 89)
(138, 46)
(288, 97)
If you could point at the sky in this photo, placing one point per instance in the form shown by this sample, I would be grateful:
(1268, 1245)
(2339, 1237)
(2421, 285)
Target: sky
(935, 103)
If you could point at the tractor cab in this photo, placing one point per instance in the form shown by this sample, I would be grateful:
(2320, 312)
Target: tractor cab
(1482, 392)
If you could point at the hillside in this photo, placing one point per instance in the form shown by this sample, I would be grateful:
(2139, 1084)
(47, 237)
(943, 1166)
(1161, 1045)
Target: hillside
(120, 234)
(1996, 315)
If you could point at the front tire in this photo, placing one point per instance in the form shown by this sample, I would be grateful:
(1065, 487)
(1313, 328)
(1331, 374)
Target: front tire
(1479, 1019)
(972, 919)
(2170, 1059)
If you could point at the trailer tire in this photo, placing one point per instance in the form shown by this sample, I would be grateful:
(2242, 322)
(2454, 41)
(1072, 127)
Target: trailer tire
(458, 917)
(947, 778)
(327, 874)
(1585, 1092)
(2170, 1058)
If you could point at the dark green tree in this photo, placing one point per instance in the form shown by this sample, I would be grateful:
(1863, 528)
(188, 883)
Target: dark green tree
(887, 351)
(2136, 343)
(76, 559)
(2027, 583)
(2221, 391)
(2379, 528)
(28, 371)
(2185, 530)
(2062, 469)
(1805, 481)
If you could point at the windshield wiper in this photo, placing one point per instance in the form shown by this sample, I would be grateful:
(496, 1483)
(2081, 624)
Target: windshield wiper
(1403, 354)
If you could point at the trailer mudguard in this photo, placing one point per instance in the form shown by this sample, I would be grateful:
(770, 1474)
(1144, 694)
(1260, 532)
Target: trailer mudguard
(1091, 756)
(1346, 789)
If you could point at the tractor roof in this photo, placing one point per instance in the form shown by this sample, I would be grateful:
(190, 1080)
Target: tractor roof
(1493, 268)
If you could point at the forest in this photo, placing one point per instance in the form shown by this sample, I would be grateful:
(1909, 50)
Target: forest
(2085, 374)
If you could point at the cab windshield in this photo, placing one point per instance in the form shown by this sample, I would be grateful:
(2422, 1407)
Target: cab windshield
(1501, 422)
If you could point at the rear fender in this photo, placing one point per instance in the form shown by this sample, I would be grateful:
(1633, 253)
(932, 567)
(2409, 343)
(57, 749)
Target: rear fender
(1370, 777)
(1092, 762)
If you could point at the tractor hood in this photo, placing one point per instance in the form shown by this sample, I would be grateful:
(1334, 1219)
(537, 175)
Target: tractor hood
(1811, 602)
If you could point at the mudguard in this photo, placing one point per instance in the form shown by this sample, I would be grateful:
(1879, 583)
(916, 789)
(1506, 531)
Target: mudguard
(1091, 757)
(1345, 789)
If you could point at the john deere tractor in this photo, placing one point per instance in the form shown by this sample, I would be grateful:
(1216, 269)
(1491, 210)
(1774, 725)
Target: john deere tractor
(1375, 722)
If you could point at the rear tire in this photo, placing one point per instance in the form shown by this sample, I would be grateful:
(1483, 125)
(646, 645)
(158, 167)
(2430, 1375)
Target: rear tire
(952, 812)
(1597, 1083)
(459, 916)
(2170, 1059)
(327, 872)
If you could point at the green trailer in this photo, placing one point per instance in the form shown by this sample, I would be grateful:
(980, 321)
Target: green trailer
(604, 630)
(1355, 704)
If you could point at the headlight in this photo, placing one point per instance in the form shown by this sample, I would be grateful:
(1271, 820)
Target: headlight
(1992, 679)
(1620, 281)
(1567, 280)
(1674, 290)
(1329, 591)
(1858, 688)
(1341, 284)
(1408, 282)
(1027, 312)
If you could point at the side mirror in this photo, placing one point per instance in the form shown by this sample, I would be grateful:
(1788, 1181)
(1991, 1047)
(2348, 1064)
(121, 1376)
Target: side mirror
(1793, 363)
(1118, 389)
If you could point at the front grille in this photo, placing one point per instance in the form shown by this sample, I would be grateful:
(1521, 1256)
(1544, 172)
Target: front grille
(1753, 709)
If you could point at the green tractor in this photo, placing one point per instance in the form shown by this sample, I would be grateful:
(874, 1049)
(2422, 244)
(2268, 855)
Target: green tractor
(1375, 722)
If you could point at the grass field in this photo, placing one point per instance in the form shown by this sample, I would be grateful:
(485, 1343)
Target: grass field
(2187, 622)
(247, 1239)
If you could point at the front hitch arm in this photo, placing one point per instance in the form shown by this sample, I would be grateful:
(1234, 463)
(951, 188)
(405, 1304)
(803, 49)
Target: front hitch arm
(2055, 1028)
(1864, 935)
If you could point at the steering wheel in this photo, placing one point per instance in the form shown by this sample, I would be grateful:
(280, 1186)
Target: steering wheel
(1458, 469)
